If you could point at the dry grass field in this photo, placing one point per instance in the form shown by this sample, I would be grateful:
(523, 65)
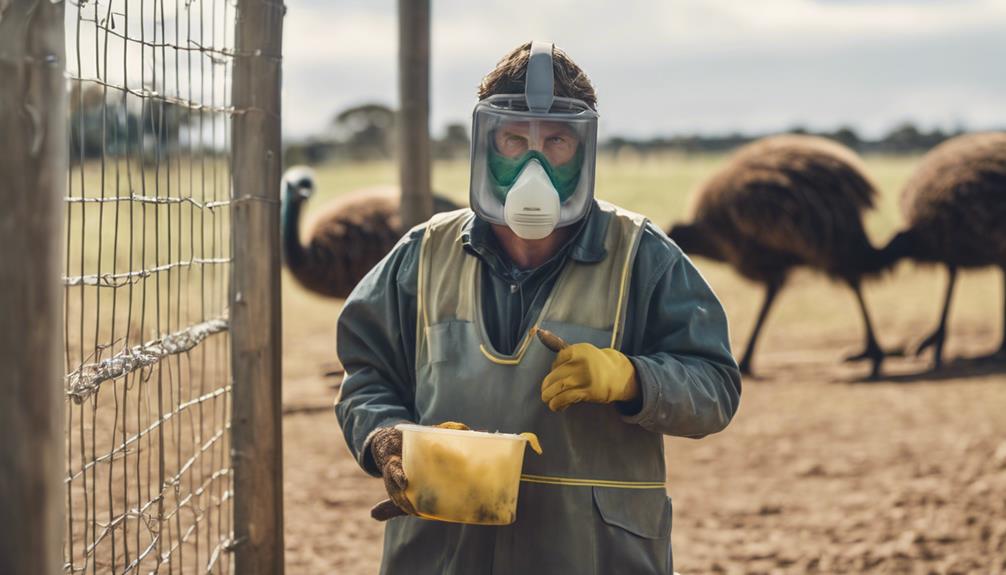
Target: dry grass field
(818, 472)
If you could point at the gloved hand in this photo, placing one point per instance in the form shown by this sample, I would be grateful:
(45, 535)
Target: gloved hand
(386, 448)
(584, 372)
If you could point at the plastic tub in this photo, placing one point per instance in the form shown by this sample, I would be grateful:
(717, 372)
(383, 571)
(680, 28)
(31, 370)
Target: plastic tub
(463, 476)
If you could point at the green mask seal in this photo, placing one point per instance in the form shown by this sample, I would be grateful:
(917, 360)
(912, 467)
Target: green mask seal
(504, 172)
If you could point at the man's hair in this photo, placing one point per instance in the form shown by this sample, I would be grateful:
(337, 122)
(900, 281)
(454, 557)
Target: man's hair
(508, 76)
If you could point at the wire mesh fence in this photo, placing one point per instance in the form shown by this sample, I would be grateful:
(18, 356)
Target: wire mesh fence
(148, 257)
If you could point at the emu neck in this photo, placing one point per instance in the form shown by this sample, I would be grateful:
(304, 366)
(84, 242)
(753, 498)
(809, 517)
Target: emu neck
(694, 240)
(903, 245)
(293, 251)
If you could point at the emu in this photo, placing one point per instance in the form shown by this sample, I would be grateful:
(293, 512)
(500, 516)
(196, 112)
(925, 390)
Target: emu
(346, 239)
(954, 205)
(782, 202)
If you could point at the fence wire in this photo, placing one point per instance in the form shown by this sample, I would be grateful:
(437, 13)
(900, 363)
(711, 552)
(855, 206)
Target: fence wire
(148, 476)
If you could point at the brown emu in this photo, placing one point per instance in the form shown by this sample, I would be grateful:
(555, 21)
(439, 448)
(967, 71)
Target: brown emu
(955, 209)
(787, 201)
(347, 238)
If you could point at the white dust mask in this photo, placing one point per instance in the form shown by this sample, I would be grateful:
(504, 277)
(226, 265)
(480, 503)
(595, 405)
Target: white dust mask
(532, 204)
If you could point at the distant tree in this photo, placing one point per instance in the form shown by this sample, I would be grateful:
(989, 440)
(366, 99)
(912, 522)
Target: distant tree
(84, 96)
(99, 123)
(847, 136)
(904, 138)
(311, 152)
(86, 135)
(455, 143)
(163, 122)
(368, 131)
(457, 134)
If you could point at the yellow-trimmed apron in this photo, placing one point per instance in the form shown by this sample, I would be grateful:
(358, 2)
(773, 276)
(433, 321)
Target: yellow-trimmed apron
(594, 503)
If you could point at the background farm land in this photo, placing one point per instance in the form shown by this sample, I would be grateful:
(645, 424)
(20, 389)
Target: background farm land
(817, 473)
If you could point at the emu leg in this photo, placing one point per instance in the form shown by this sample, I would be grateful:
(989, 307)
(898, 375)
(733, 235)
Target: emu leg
(871, 350)
(771, 290)
(937, 338)
(1002, 346)
(1000, 354)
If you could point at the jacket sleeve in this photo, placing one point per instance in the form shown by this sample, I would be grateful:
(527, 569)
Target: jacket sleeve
(689, 380)
(376, 346)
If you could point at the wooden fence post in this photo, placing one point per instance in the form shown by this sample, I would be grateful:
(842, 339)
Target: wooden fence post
(414, 117)
(256, 419)
(33, 168)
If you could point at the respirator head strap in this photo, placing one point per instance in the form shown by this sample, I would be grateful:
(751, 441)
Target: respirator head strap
(539, 83)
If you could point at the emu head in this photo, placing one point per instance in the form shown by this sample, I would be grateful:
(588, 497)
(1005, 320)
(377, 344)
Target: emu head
(695, 240)
(298, 183)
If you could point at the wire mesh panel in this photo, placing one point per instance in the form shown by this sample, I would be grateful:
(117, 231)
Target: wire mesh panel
(148, 472)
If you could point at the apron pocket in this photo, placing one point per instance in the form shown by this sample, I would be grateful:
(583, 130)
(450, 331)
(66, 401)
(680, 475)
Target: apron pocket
(643, 512)
(438, 339)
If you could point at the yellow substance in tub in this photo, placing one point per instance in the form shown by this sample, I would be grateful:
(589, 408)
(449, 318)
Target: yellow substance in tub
(449, 483)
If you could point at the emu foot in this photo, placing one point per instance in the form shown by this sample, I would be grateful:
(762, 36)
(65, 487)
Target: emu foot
(935, 340)
(749, 375)
(875, 354)
(745, 367)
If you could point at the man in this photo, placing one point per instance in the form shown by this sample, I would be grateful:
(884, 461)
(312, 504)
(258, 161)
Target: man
(441, 330)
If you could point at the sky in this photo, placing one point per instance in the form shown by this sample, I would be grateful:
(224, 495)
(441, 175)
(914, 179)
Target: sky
(672, 67)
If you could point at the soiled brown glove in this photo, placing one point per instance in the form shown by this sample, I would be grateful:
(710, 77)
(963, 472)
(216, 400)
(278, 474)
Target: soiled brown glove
(386, 448)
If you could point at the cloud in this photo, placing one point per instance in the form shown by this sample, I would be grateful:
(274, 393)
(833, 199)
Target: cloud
(672, 66)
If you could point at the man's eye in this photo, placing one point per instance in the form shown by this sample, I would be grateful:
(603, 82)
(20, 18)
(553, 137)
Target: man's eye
(514, 140)
(556, 140)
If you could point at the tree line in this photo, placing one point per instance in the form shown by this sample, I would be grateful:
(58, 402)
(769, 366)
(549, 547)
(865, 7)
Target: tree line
(109, 124)
(367, 132)
(906, 138)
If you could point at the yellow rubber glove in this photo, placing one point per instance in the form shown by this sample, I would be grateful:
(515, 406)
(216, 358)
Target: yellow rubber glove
(584, 372)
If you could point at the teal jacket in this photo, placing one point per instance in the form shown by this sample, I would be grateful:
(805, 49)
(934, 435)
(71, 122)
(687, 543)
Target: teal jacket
(675, 333)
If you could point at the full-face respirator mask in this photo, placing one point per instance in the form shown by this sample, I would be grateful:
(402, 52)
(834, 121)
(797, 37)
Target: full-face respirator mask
(533, 155)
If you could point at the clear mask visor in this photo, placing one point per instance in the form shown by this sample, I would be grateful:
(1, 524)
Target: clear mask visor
(504, 140)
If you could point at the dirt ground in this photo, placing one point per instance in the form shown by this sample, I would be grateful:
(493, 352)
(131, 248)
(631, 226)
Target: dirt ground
(816, 474)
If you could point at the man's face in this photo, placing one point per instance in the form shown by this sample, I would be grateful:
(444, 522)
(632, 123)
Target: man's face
(553, 139)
